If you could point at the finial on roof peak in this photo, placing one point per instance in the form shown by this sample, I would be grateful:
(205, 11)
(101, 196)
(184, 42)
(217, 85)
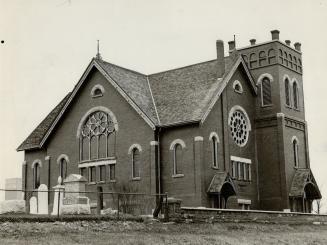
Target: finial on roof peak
(98, 56)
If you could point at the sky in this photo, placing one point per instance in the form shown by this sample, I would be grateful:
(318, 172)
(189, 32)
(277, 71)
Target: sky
(48, 45)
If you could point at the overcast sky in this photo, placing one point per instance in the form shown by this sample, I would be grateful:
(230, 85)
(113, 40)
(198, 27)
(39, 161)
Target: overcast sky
(48, 44)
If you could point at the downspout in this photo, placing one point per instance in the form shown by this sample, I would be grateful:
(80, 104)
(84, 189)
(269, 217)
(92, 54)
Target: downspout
(159, 177)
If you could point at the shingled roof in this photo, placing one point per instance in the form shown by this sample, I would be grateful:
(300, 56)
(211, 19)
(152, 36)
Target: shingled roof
(172, 97)
(302, 178)
(35, 138)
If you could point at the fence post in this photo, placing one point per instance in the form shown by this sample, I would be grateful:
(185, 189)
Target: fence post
(98, 202)
(118, 205)
(27, 201)
(166, 208)
(58, 202)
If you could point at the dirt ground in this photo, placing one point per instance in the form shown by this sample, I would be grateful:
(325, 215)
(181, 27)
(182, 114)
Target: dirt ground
(113, 232)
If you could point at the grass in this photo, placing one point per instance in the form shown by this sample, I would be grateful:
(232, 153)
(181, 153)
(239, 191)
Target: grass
(113, 232)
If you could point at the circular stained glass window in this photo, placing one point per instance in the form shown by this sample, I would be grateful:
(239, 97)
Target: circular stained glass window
(238, 124)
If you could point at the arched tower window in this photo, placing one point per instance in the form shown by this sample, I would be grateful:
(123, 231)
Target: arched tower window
(135, 163)
(287, 92)
(36, 174)
(295, 152)
(266, 91)
(96, 133)
(177, 158)
(295, 95)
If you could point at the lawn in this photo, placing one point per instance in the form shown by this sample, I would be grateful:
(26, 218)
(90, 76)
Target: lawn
(113, 232)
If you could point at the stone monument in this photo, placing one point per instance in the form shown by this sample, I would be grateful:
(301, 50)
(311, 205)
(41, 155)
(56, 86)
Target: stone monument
(75, 201)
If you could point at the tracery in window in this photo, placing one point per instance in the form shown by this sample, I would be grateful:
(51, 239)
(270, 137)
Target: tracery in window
(96, 137)
(239, 125)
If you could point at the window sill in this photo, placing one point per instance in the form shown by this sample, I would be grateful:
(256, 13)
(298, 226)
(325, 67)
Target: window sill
(296, 109)
(136, 179)
(267, 106)
(96, 96)
(101, 182)
(91, 183)
(112, 181)
(177, 175)
(213, 167)
(288, 106)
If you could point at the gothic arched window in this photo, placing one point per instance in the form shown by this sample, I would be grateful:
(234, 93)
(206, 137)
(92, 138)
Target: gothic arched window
(97, 136)
(135, 163)
(266, 91)
(36, 175)
(295, 152)
(295, 96)
(287, 92)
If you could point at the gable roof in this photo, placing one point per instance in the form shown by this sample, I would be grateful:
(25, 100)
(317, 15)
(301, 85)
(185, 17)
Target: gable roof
(173, 97)
(34, 139)
(303, 177)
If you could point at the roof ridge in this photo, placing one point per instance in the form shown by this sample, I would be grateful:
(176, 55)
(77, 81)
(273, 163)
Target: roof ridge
(139, 73)
(182, 67)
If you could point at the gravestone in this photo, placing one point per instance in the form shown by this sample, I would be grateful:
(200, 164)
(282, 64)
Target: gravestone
(42, 199)
(75, 201)
(58, 197)
(33, 205)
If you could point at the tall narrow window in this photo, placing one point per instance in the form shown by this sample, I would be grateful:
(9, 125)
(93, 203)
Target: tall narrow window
(63, 168)
(287, 92)
(266, 91)
(214, 151)
(36, 175)
(102, 170)
(92, 174)
(296, 153)
(112, 175)
(135, 163)
(295, 96)
(177, 159)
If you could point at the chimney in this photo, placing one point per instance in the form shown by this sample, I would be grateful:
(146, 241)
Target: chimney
(288, 42)
(252, 41)
(275, 35)
(231, 45)
(297, 46)
(220, 58)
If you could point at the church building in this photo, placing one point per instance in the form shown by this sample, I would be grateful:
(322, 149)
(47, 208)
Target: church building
(225, 133)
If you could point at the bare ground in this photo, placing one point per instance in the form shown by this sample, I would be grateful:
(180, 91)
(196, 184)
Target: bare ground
(113, 232)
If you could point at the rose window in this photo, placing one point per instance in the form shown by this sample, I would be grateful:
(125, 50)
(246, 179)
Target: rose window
(98, 123)
(239, 127)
